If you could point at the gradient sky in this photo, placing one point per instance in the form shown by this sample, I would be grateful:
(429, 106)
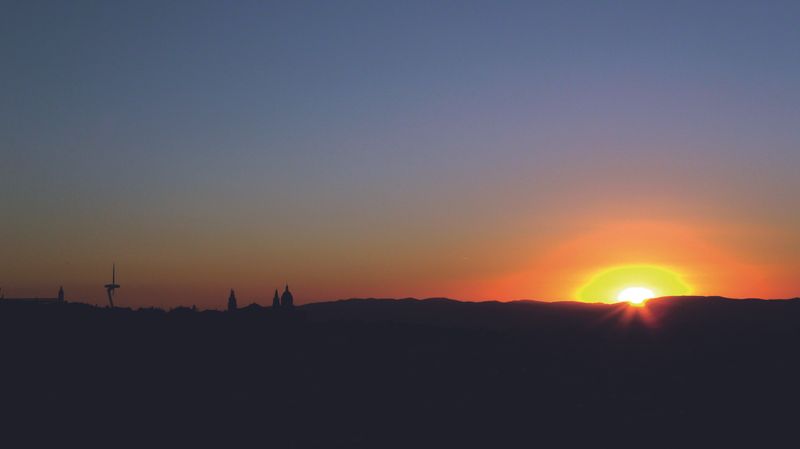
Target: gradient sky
(465, 149)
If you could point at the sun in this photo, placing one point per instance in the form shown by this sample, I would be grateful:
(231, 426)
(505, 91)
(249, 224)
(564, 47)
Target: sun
(635, 295)
(632, 283)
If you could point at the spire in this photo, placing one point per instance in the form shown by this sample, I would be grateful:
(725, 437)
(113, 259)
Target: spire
(276, 300)
(232, 302)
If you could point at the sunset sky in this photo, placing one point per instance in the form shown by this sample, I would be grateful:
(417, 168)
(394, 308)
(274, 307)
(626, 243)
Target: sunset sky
(474, 150)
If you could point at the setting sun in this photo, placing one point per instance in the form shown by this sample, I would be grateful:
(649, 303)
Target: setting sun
(635, 295)
(625, 283)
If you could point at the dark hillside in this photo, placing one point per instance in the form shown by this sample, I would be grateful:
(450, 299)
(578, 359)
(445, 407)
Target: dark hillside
(383, 373)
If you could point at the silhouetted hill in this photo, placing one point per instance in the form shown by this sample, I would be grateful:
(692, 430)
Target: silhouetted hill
(571, 317)
(682, 371)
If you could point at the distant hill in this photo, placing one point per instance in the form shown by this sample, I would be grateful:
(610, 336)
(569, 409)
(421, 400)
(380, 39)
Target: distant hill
(407, 373)
(568, 316)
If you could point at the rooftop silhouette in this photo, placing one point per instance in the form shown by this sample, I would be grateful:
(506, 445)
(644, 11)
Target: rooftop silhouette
(284, 301)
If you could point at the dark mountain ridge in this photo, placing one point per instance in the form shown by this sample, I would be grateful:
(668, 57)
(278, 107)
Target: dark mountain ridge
(401, 373)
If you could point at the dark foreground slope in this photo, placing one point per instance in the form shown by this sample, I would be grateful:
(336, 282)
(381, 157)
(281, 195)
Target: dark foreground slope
(379, 373)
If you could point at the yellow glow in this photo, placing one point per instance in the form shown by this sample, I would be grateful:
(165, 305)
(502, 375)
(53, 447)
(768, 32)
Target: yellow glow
(635, 283)
(635, 295)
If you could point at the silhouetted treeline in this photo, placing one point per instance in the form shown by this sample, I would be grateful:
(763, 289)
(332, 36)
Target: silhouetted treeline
(407, 373)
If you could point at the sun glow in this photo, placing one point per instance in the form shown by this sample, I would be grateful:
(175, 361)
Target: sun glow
(632, 283)
(635, 295)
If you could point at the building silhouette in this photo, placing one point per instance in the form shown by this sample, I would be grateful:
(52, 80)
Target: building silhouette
(232, 302)
(276, 300)
(287, 300)
(283, 301)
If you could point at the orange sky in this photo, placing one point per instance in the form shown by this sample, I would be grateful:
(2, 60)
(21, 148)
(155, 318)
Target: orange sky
(497, 151)
(711, 259)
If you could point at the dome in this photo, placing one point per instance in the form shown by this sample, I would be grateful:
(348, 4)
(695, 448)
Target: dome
(287, 300)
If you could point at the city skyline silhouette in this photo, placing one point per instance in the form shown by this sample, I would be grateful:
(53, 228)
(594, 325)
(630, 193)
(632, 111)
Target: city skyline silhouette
(374, 224)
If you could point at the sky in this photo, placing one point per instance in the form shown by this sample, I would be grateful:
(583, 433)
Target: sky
(474, 150)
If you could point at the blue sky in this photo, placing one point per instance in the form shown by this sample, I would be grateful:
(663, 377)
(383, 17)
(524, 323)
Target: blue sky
(341, 143)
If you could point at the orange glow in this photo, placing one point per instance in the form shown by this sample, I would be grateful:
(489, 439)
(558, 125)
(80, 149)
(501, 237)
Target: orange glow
(709, 257)
(705, 258)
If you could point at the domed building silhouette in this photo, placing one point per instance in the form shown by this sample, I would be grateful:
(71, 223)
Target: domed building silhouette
(287, 300)
(283, 301)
